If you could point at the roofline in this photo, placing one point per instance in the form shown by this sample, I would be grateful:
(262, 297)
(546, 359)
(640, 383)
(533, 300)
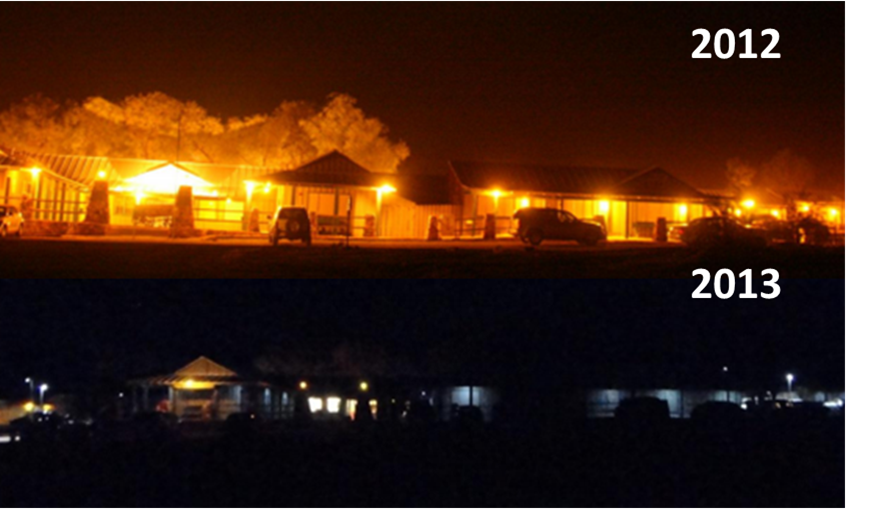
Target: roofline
(602, 196)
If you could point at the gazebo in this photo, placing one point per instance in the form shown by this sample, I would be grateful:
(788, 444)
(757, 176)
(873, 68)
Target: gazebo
(206, 390)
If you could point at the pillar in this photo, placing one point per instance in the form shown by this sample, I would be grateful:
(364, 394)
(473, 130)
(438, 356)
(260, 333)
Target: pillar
(183, 214)
(434, 232)
(98, 209)
(490, 227)
(661, 231)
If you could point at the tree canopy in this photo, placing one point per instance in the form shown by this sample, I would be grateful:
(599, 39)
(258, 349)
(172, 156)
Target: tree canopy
(157, 126)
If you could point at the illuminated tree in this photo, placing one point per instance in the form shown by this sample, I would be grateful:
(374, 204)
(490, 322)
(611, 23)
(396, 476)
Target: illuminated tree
(342, 126)
(157, 126)
(740, 174)
(788, 174)
(32, 124)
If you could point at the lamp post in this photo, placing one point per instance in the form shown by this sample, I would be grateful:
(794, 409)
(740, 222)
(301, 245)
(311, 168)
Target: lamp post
(789, 379)
(727, 388)
(30, 382)
(43, 389)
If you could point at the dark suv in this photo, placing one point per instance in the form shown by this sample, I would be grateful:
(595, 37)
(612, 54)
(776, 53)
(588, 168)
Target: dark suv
(536, 225)
(722, 231)
(290, 223)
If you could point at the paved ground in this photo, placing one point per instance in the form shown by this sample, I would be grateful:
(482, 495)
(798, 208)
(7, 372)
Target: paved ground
(157, 257)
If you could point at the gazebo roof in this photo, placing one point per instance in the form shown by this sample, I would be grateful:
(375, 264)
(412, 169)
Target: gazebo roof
(201, 370)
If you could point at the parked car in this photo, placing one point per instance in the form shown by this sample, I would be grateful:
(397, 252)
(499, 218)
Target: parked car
(717, 413)
(814, 232)
(775, 229)
(722, 231)
(290, 223)
(675, 231)
(11, 221)
(537, 224)
(642, 409)
(243, 423)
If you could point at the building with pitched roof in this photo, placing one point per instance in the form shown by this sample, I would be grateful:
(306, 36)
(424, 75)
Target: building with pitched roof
(206, 390)
(344, 198)
(627, 201)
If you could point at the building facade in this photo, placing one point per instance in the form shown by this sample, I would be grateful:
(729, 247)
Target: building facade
(344, 198)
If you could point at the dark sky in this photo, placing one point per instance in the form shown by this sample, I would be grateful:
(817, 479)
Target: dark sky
(552, 83)
(77, 335)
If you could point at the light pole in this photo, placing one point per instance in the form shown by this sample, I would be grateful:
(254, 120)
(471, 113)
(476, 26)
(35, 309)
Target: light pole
(789, 379)
(30, 382)
(727, 389)
(43, 389)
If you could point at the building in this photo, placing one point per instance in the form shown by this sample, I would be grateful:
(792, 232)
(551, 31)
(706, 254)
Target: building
(628, 202)
(344, 198)
(204, 390)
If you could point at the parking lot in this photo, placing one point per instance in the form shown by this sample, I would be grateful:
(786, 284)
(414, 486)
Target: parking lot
(160, 257)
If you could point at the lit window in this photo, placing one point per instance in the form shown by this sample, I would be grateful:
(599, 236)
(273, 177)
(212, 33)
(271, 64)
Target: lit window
(315, 404)
(333, 405)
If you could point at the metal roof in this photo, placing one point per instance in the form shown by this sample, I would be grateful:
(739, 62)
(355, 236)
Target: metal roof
(333, 169)
(572, 180)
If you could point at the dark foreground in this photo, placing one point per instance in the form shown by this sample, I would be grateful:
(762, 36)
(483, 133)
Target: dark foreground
(167, 259)
(679, 464)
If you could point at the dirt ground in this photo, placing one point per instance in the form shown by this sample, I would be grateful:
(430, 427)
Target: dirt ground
(128, 257)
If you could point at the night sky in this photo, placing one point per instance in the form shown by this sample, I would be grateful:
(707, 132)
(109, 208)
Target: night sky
(547, 83)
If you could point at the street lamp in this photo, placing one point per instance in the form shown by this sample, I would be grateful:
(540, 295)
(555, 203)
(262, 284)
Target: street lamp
(43, 389)
(30, 382)
(789, 379)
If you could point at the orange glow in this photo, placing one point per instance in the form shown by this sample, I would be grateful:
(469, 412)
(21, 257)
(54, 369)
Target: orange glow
(833, 213)
(775, 213)
(523, 203)
(102, 175)
(250, 187)
(496, 194)
(267, 187)
(303, 385)
(804, 207)
(380, 192)
(364, 386)
(738, 212)
(749, 203)
(47, 408)
(604, 207)
(167, 180)
(35, 172)
(683, 211)
(29, 406)
(139, 197)
(192, 384)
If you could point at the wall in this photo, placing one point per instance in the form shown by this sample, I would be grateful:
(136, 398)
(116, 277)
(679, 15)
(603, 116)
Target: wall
(604, 402)
(482, 397)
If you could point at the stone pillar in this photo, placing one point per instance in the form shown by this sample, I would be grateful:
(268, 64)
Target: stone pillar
(253, 226)
(98, 210)
(183, 214)
(490, 227)
(369, 225)
(661, 232)
(434, 229)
